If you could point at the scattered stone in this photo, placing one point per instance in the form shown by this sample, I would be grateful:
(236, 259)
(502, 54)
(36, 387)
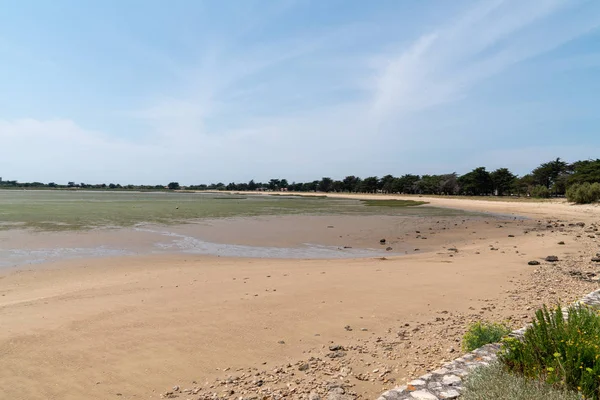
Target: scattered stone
(511, 235)
(449, 394)
(561, 242)
(334, 372)
(551, 258)
(336, 354)
(338, 396)
(314, 396)
(382, 241)
(281, 342)
(388, 249)
(303, 367)
(451, 380)
(423, 395)
(596, 259)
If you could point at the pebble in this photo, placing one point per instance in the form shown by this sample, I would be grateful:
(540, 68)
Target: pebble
(303, 367)
(388, 357)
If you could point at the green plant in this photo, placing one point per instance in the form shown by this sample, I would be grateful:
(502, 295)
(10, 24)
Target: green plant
(540, 191)
(481, 333)
(584, 193)
(494, 382)
(564, 352)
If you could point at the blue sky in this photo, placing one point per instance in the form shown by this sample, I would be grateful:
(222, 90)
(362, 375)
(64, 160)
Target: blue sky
(204, 91)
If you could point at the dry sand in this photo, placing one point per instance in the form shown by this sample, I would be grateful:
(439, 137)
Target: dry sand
(133, 327)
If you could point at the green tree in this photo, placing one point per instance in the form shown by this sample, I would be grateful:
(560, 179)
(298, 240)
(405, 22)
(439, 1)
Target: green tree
(585, 171)
(350, 184)
(274, 184)
(172, 186)
(540, 192)
(523, 185)
(448, 184)
(503, 181)
(386, 184)
(337, 186)
(547, 173)
(429, 184)
(325, 185)
(311, 186)
(406, 184)
(369, 185)
(476, 183)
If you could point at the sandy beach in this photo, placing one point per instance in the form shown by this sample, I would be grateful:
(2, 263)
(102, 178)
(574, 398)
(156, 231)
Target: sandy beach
(133, 327)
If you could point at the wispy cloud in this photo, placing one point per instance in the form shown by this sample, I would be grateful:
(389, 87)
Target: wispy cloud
(441, 66)
(299, 105)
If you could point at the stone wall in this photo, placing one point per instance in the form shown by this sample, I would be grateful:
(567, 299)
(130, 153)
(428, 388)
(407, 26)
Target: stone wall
(447, 381)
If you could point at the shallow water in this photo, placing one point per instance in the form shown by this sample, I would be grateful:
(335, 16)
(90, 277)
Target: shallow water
(45, 226)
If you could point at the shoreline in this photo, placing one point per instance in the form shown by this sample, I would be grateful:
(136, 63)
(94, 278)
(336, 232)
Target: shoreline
(140, 325)
(300, 236)
(527, 207)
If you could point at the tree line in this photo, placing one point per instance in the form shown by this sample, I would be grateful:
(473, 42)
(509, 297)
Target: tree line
(72, 185)
(552, 178)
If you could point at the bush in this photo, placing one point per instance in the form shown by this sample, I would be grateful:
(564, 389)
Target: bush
(584, 193)
(562, 352)
(540, 191)
(481, 333)
(494, 382)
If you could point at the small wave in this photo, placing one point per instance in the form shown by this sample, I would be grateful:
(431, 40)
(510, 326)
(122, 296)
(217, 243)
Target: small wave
(189, 244)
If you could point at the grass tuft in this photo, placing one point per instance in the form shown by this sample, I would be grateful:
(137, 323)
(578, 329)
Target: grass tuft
(564, 352)
(495, 383)
(482, 333)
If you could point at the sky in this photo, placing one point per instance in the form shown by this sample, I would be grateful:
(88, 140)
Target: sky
(153, 91)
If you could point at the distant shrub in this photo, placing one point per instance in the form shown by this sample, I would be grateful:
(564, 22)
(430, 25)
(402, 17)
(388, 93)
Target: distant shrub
(562, 352)
(481, 333)
(540, 191)
(494, 382)
(584, 193)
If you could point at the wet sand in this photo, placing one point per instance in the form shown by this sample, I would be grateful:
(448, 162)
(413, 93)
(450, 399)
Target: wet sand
(132, 327)
(289, 236)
